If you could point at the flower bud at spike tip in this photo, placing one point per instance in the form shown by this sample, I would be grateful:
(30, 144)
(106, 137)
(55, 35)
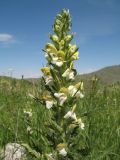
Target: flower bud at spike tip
(54, 38)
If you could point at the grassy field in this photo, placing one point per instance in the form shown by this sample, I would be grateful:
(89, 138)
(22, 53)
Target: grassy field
(100, 110)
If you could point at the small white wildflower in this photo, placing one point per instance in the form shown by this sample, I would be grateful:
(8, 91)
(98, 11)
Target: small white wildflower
(63, 152)
(62, 97)
(69, 74)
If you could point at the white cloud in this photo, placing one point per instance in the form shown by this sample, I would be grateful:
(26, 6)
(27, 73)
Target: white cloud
(4, 37)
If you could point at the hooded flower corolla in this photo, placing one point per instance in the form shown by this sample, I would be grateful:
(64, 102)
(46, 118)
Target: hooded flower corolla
(50, 48)
(71, 115)
(48, 80)
(61, 97)
(57, 62)
(73, 91)
(49, 104)
(53, 55)
(69, 74)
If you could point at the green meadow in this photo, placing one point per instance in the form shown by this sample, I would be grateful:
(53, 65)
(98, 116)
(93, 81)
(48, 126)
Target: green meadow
(99, 109)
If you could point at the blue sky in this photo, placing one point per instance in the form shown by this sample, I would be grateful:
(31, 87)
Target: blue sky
(26, 24)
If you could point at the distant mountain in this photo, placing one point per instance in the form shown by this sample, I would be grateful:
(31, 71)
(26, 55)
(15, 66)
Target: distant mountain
(107, 75)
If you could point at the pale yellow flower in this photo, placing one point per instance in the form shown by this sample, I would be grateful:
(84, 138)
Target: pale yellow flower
(71, 115)
(69, 74)
(73, 48)
(61, 97)
(53, 56)
(46, 71)
(51, 52)
(75, 56)
(54, 38)
(50, 48)
(58, 63)
(74, 91)
(68, 38)
(54, 59)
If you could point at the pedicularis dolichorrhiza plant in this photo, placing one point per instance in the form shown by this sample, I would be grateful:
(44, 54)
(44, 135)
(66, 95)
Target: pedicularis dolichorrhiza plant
(64, 127)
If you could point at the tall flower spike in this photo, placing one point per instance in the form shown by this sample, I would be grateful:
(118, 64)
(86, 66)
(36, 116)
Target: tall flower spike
(62, 23)
(61, 94)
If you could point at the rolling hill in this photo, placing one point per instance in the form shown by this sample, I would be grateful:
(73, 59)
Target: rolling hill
(107, 75)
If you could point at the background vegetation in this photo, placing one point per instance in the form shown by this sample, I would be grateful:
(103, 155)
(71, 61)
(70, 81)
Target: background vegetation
(100, 110)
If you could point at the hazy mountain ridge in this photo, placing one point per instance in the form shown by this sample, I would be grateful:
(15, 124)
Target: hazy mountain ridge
(107, 75)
